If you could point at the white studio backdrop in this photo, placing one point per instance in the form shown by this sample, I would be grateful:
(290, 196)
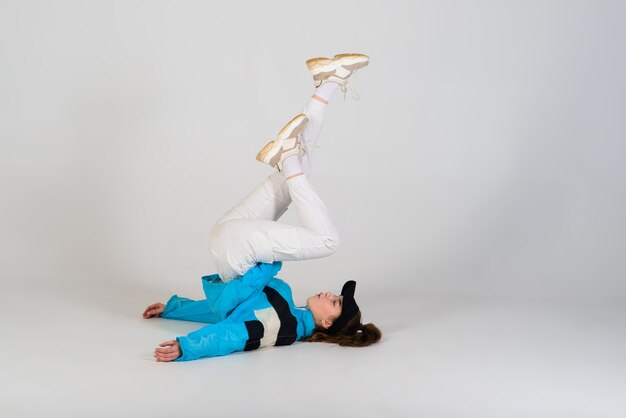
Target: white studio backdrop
(484, 159)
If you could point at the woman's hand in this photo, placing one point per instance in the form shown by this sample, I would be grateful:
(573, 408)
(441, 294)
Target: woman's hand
(169, 353)
(153, 310)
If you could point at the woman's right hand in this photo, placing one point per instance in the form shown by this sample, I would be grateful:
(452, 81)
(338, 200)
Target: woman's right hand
(153, 310)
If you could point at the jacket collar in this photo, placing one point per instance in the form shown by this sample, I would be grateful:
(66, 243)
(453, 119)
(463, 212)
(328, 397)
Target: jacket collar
(305, 317)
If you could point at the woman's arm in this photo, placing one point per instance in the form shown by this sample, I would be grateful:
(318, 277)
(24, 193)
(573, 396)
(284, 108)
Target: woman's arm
(209, 341)
(221, 297)
(258, 276)
(185, 309)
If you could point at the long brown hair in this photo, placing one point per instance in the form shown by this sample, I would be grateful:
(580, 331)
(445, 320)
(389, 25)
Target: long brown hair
(354, 334)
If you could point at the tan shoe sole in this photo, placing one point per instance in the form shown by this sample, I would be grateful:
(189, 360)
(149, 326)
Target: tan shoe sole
(265, 152)
(273, 152)
(353, 61)
(358, 60)
(341, 65)
(292, 129)
(317, 62)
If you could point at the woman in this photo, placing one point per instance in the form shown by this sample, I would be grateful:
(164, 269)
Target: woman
(246, 306)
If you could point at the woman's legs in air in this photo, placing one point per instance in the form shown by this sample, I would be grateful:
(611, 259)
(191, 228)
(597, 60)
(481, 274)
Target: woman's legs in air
(271, 198)
(248, 233)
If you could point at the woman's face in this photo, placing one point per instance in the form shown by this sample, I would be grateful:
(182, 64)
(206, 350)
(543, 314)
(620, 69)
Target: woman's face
(325, 307)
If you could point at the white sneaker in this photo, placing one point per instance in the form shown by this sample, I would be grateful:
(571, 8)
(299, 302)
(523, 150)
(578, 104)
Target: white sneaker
(336, 69)
(286, 144)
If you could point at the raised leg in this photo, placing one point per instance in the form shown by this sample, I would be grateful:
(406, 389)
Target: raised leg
(248, 233)
(239, 244)
(271, 198)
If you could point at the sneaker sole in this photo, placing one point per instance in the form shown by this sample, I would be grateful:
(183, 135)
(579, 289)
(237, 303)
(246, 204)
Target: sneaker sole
(324, 68)
(270, 154)
(293, 127)
(290, 130)
(317, 62)
(353, 61)
(264, 152)
(348, 61)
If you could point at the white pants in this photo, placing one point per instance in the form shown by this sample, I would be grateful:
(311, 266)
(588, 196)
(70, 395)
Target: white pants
(249, 233)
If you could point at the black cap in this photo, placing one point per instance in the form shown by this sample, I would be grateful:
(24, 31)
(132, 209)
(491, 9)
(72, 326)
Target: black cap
(349, 308)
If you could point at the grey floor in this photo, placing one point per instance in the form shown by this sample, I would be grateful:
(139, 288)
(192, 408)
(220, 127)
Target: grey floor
(73, 349)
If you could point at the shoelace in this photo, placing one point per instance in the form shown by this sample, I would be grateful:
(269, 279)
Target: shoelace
(349, 87)
(307, 146)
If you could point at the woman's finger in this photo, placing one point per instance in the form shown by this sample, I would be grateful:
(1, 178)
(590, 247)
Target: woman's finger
(153, 306)
(166, 349)
(169, 357)
(167, 346)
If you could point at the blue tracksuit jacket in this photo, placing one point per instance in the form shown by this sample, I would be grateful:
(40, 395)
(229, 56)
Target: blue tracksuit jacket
(255, 310)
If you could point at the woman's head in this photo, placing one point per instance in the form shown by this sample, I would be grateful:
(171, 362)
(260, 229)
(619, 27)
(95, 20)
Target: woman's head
(326, 308)
(338, 319)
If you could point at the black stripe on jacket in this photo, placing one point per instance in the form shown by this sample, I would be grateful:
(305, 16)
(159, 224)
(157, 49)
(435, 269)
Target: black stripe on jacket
(287, 333)
(288, 324)
(255, 333)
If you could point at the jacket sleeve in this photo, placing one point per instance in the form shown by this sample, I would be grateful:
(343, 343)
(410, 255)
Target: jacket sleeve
(258, 276)
(223, 297)
(189, 310)
(213, 340)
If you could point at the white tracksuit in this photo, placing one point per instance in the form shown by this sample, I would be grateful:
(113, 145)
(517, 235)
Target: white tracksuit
(249, 233)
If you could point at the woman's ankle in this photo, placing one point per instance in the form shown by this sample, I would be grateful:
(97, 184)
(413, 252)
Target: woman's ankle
(320, 99)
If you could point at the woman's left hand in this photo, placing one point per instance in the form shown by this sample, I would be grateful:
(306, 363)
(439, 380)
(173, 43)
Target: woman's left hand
(167, 351)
